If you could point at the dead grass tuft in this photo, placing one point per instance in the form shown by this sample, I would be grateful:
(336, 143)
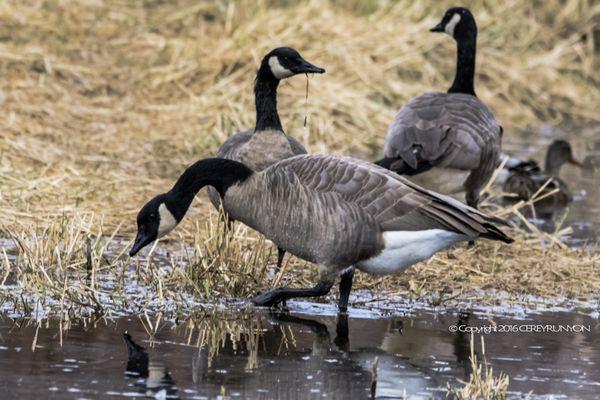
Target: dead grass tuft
(482, 383)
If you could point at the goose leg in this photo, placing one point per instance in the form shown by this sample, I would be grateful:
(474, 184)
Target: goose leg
(280, 255)
(345, 288)
(278, 295)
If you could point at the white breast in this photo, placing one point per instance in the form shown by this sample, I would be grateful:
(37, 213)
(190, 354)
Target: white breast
(405, 248)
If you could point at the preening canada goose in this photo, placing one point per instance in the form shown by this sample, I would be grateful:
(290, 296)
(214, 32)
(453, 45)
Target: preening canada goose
(526, 177)
(452, 130)
(337, 212)
(267, 143)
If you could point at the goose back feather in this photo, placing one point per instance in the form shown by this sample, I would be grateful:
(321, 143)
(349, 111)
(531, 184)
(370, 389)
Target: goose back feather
(334, 211)
(447, 130)
(257, 150)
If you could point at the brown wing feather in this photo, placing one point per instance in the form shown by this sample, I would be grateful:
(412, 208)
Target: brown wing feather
(450, 130)
(395, 203)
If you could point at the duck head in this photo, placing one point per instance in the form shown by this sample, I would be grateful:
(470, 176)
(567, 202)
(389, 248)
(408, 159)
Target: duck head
(559, 153)
(457, 22)
(154, 221)
(284, 62)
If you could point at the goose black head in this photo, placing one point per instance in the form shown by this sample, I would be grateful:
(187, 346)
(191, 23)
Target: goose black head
(457, 22)
(284, 62)
(559, 153)
(153, 222)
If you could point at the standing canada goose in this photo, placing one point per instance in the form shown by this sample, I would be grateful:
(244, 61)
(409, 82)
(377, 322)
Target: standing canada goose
(337, 212)
(267, 143)
(526, 177)
(452, 130)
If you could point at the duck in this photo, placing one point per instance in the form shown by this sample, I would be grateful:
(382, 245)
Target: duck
(337, 212)
(526, 178)
(267, 143)
(453, 131)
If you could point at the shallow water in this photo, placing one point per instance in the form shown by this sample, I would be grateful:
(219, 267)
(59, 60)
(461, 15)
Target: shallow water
(268, 356)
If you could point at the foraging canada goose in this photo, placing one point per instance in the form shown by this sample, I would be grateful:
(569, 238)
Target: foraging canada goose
(337, 212)
(526, 177)
(452, 130)
(267, 143)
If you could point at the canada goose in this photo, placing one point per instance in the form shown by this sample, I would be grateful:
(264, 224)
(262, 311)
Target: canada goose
(526, 177)
(337, 212)
(267, 143)
(452, 130)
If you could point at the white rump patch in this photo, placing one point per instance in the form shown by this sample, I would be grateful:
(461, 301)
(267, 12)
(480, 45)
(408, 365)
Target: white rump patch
(405, 248)
(278, 70)
(167, 220)
(451, 25)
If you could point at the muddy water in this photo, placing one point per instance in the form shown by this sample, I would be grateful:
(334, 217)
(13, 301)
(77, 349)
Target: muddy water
(293, 356)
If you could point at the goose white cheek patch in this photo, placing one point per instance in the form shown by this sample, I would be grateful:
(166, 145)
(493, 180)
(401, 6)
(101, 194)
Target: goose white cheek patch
(278, 70)
(451, 25)
(167, 220)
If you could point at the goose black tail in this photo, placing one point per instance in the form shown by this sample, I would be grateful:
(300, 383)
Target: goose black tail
(494, 233)
(398, 166)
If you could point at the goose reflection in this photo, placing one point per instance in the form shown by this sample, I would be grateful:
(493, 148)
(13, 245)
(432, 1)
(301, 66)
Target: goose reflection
(151, 377)
(299, 357)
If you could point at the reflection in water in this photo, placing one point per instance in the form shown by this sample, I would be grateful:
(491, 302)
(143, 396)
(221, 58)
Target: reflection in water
(152, 377)
(292, 357)
(461, 346)
(257, 356)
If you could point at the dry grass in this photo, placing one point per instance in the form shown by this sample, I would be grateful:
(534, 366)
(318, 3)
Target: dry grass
(66, 269)
(482, 383)
(104, 104)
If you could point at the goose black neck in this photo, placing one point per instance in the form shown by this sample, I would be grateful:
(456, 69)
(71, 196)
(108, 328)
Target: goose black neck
(265, 99)
(219, 173)
(465, 65)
